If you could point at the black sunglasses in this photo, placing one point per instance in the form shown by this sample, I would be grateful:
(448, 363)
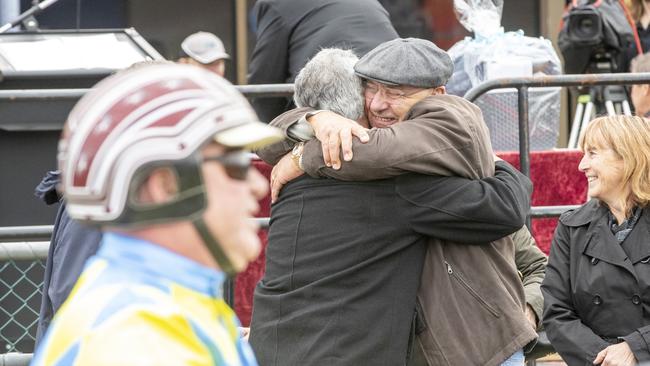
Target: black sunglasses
(236, 163)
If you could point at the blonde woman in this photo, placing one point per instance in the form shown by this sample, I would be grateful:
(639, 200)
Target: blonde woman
(597, 285)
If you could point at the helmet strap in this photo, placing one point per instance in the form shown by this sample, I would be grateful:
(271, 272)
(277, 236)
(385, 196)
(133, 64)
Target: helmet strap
(213, 246)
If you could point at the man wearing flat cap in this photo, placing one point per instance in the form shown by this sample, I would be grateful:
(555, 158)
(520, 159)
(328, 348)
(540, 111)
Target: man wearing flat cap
(343, 265)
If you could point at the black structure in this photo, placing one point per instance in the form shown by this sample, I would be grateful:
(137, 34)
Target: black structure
(30, 127)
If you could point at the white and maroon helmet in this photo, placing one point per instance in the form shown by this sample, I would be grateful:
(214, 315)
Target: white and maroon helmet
(152, 116)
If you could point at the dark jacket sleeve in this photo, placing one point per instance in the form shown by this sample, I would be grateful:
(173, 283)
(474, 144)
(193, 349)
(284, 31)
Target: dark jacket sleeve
(574, 341)
(273, 153)
(464, 210)
(269, 62)
(639, 342)
(531, 263)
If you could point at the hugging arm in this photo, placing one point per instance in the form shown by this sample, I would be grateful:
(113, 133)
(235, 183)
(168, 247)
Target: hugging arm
(443, 136)
(273, 153)
(465, 210)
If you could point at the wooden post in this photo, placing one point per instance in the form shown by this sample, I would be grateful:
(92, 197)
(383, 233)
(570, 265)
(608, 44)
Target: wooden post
(241, 29)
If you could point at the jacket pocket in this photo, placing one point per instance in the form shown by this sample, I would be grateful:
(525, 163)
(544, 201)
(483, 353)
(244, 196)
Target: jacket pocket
(458, 278)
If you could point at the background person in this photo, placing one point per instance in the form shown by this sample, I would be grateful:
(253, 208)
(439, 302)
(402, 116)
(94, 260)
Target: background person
(640, 93)
(596, 304)
(71, 245)
(290, 32)
(155, 156)
(206, 50)
(640, 12)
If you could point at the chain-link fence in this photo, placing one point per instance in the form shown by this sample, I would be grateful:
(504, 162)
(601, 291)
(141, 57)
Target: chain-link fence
(22, 267)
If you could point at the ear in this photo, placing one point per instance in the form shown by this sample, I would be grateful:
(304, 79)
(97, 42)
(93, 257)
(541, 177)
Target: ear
(161, 186)
(439, 90)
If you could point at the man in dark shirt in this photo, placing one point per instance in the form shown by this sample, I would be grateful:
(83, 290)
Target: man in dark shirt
(290, 32)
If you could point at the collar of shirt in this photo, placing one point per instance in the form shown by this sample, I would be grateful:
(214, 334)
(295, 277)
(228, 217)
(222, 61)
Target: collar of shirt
(621, 231)
(145, 257)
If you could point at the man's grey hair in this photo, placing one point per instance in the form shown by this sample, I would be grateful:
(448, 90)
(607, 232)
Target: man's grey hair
(641, 63)
(328, 82)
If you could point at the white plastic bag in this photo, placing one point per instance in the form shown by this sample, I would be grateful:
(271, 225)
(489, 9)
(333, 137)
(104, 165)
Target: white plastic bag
(494, 53)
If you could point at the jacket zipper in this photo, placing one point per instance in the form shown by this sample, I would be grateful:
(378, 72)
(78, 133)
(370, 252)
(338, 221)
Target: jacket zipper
(469, 289)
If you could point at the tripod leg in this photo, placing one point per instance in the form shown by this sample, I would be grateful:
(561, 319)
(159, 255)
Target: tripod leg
(589, 110)
(609, 105)
(626, 108)
(575, 126)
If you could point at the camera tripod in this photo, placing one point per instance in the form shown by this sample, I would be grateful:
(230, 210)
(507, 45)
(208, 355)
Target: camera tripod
(597, 100)
(600, 99)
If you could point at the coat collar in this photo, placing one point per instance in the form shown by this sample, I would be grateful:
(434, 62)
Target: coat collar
(601, 244)
(637, 244)
(583, 215)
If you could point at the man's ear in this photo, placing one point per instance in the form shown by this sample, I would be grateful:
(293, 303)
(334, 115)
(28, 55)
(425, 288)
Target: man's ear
(161, 186)
(439, 90)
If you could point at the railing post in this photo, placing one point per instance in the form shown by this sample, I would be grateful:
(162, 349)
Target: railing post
(524, 133)
(524, 139)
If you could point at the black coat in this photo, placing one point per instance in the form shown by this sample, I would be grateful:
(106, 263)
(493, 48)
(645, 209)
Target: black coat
(344, 259)
(597, 290)
(290, 32)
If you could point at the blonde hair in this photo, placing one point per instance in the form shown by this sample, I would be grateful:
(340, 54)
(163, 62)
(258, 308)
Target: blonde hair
(636, 8)
(629, 138)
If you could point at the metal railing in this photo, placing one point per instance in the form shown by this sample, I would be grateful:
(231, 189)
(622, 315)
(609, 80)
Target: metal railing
(522, 85)
(9, 235)
(23, 251)
(261, 90)
(15, 359)
(22, 268)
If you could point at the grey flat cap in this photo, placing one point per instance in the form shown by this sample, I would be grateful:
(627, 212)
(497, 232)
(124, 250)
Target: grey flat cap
(204, 47)
(406, 61)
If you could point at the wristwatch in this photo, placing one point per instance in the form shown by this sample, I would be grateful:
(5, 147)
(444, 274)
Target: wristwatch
(296, 154)
(305, 117)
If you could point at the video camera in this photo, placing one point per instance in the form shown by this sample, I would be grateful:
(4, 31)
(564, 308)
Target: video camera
(593, 36)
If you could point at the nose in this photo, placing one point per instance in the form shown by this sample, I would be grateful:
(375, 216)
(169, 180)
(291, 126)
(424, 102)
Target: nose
(378, 102)
(584, 163)
(258, 184)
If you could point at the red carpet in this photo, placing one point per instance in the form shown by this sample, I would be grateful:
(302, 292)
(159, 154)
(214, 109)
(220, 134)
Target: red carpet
(556, 179)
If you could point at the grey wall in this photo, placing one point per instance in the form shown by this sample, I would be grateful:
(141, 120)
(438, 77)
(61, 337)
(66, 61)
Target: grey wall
(165, 23)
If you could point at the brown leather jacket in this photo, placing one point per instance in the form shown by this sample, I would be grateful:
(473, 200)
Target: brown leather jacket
(471, 297)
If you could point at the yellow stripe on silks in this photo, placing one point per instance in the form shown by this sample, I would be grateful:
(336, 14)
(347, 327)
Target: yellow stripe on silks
(144, 335)
(65, 329)
(223, 332)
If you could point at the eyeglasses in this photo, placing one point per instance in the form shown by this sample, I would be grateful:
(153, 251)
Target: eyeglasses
(236, 163)
(371, 89)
